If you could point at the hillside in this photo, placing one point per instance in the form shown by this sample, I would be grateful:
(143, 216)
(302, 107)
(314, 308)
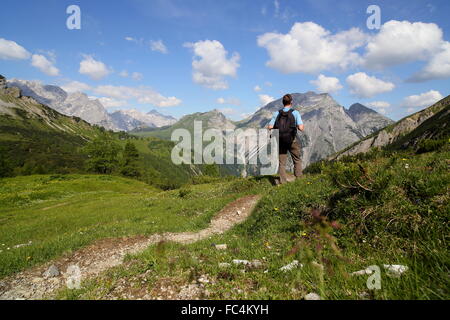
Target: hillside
(402, 130)
(37, 139)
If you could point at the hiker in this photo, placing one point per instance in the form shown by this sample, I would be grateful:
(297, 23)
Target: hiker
(287, 121)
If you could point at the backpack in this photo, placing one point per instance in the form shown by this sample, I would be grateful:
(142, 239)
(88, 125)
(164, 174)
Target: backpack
(285, 123)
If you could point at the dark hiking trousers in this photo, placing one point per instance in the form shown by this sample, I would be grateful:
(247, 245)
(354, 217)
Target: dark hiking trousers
(294, 150)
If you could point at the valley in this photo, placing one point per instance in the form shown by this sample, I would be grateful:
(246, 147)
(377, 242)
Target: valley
(140, 227)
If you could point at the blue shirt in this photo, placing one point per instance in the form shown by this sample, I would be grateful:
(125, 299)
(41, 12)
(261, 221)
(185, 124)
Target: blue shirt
(295, 113)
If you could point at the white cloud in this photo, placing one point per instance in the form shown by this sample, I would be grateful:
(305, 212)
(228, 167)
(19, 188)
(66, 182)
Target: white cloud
(276, 4)
(379, 105)
(137, 76)
(437, 68)
(76, 86)
(227, 111)
(130, 39)
(10, 50)
(46, 66)
(230, 101)
(158, 46)
(326, 84)
(110, 102)
(425, 99)
(211, 65)
(124, 74)
(364, 86)
(309, 48)
(142, 94)
(402, 41)
(264, 99)
(257, 88)
(95, 69)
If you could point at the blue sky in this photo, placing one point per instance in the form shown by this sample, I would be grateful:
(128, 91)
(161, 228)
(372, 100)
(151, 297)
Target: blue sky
(184, 56)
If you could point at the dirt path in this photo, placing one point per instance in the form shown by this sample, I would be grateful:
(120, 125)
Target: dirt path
(108, 253)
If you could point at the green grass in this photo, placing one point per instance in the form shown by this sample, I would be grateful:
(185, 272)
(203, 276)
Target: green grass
(392, 210)
(60, 213)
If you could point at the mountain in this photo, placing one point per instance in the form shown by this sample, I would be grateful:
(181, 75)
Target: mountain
(75, 104)
(35, 138)
(398, 133)
(329, 127)
(210, 120)
(368, 120)
(128, 120)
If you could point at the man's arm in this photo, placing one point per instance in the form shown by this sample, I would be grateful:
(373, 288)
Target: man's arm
(299, 121)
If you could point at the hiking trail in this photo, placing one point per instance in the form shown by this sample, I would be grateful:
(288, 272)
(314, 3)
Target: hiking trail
(107, 253)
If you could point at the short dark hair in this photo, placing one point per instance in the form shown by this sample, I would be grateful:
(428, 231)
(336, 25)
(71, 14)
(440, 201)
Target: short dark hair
(287, 100)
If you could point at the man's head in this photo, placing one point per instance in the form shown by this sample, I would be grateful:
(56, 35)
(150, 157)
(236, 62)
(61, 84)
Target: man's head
(287, 100)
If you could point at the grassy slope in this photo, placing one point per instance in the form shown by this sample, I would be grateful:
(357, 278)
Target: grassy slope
(402, 220)
(59, 213)
(28, 142)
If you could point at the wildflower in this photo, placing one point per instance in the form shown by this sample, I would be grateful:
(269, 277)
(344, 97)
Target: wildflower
(276, 209)
(404, 159)
(406, 166)
(303, 234)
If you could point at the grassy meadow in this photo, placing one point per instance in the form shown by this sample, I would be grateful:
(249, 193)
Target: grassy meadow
(374, 209)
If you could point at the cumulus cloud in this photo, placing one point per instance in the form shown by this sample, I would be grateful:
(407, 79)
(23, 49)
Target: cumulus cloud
(437, 68)
(137, 76)
(257, 88)
(425, 99)
(142, 94)
(111, 102)
(230, 101)
(211, 65)
(158, 46)
(310, 48)
(379, 105)
(326, 84)
(227, 111)
(264, 99)
(10, 50)
(364, 86)
(95, 69)
(76, 86)
(400, 42)
(46, 66)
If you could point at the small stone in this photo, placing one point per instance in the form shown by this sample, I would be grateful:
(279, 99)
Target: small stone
(362, 272)
(255, 264)
(290, 266)
(312, 296)
(244, 262)
(203, 279)
(51, 272)
(224, 265)
(221, 246)
(395, 270)
(238, 212)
